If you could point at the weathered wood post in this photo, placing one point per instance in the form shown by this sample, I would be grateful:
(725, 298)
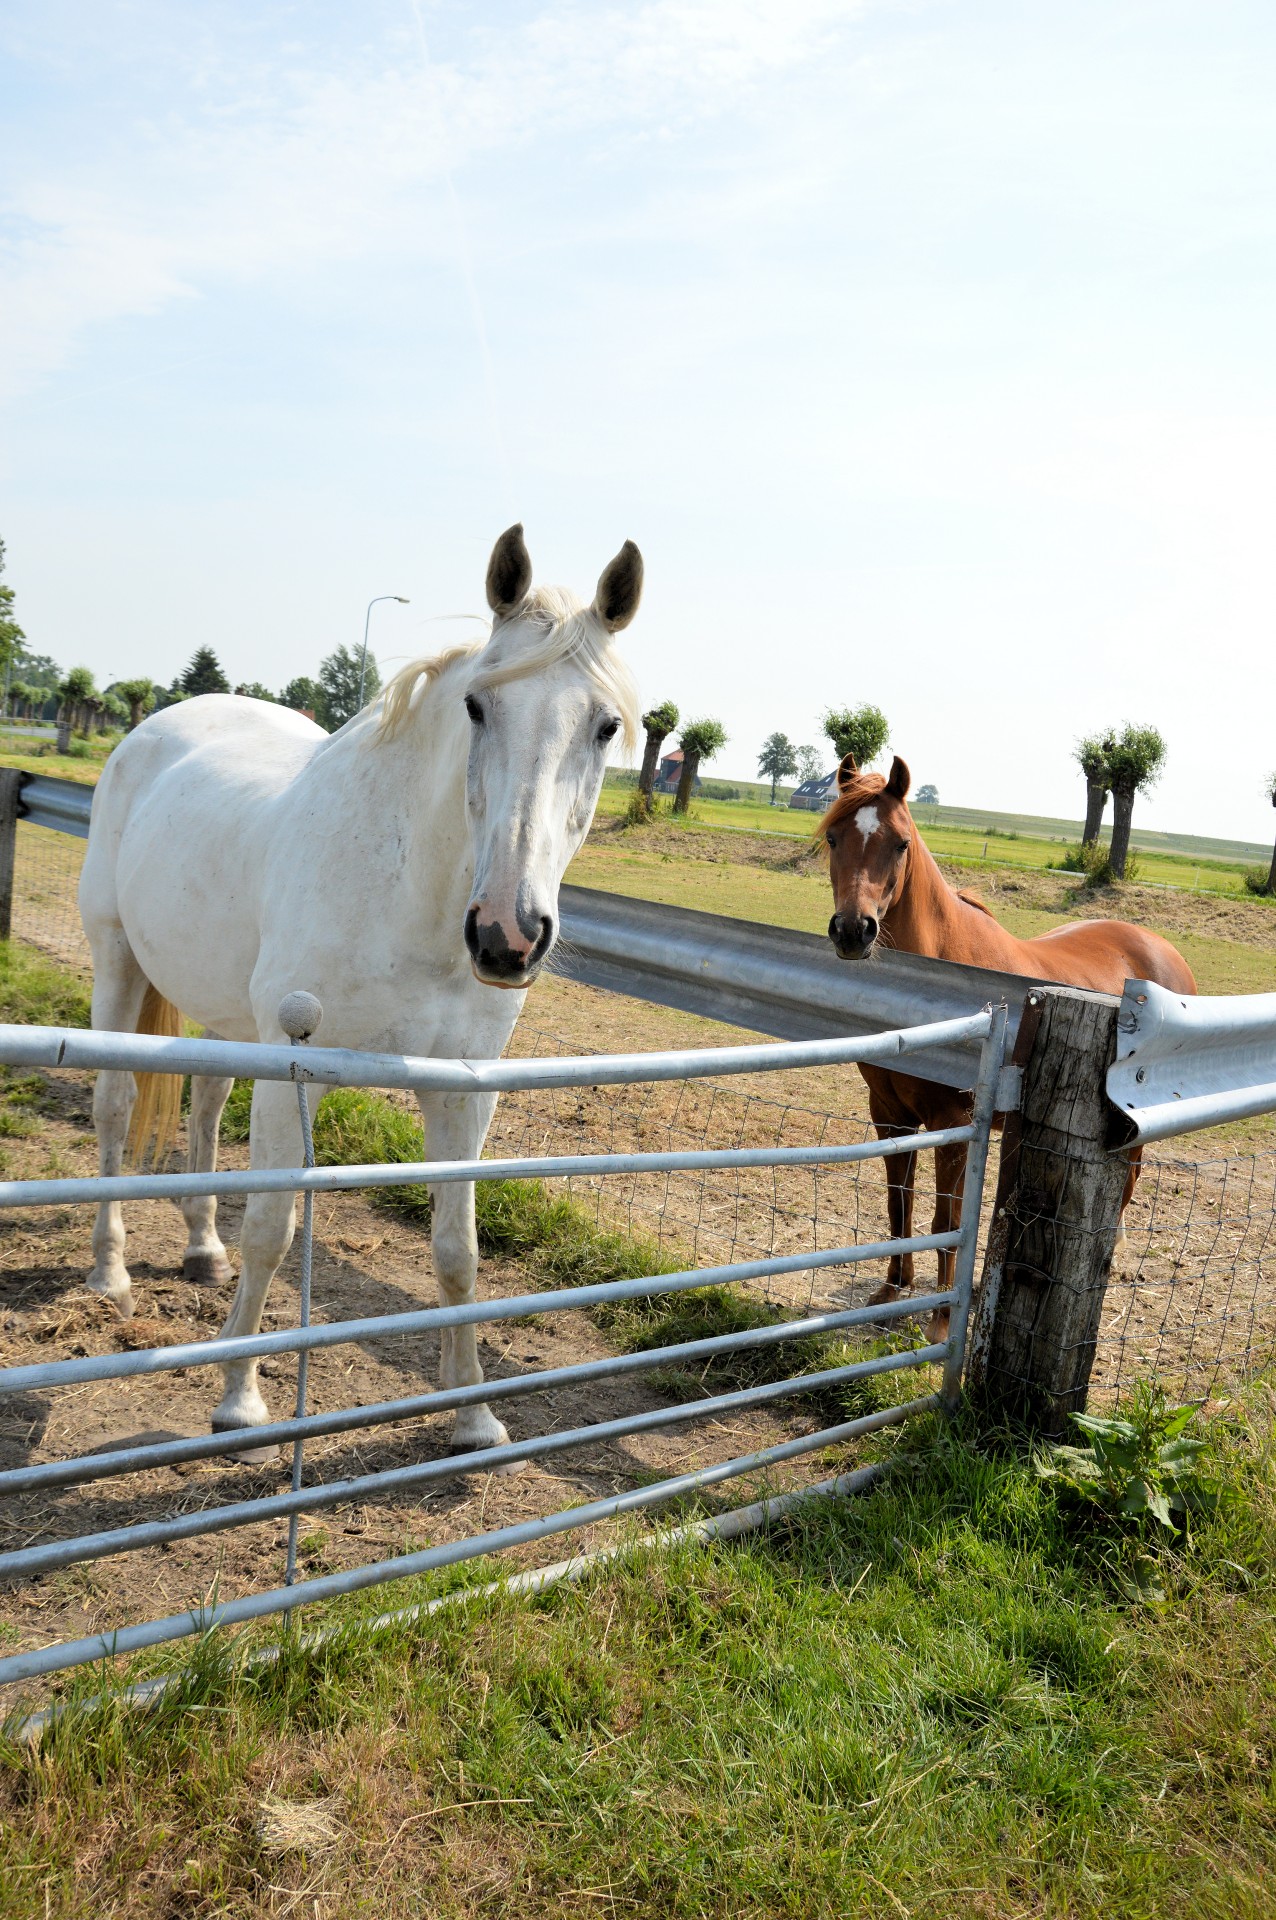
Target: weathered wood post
(11, 782)
(1055, 1218)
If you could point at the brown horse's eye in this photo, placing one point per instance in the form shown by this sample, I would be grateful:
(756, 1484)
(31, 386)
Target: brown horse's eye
(831, 838)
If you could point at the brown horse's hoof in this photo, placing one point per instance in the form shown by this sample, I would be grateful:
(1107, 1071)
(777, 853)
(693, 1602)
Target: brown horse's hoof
(207, 1269)
(937, 1326)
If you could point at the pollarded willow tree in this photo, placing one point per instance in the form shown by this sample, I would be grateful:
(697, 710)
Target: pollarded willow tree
(140, 697)
(700, 740)
(658, 724)
(1134, 764)
(777, 760)
(860, 731)
(1092, 755)
(1271, 795)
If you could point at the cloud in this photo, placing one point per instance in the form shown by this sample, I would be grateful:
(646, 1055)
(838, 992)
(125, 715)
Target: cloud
(231, 161)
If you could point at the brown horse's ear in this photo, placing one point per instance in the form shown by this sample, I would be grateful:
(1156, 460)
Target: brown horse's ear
(509, 572)
(900, 779)
(846, 772)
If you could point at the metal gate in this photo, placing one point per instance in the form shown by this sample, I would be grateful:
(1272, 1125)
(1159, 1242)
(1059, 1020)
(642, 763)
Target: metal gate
(980, 1039)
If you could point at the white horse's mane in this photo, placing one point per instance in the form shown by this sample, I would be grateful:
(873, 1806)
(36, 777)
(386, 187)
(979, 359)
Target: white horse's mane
(551, 625)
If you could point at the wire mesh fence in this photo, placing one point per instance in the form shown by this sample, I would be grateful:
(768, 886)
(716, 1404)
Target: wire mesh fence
(1192, 1294)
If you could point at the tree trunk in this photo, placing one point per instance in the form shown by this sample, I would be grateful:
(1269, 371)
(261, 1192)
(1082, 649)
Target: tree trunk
(1271, 878)
(134, 714)
(1096, 799)
(1122, 811)
(774, 778)
(650, 761)
(64, 732)
(686, 781)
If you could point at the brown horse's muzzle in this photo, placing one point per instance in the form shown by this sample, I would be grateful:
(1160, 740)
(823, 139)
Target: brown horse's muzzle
(853, 934)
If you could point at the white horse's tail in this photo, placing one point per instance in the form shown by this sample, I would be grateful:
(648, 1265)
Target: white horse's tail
(153, 1127)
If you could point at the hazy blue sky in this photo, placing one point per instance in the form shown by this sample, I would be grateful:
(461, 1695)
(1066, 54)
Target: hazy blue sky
(925, 349)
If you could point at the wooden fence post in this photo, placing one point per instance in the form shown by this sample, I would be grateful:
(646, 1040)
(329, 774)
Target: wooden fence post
(1055, 1218)
(11, 782)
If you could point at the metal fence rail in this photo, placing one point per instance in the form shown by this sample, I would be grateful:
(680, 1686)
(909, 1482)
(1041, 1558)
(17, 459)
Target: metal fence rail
(53, 1049)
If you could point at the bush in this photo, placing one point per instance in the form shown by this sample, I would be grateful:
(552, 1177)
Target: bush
(1256, 879)
(1094, 863)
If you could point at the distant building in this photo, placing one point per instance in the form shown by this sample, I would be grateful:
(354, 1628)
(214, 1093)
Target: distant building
(671, 772)
(815, 796)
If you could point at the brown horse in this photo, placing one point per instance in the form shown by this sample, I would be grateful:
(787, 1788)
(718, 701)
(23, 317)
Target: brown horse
(887, 888)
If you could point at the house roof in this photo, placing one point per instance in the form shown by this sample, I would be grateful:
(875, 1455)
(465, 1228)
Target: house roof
(819, 785)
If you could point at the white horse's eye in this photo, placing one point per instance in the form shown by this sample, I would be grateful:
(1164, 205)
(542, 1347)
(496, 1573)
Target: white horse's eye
(609, 729)
(474, 710)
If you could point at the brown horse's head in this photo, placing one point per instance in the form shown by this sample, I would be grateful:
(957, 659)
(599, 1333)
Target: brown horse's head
(869, 831)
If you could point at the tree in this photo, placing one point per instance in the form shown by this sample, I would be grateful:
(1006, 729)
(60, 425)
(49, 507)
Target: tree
(76, 694)
(1135, 762)
(860, 731)
(204, 674)
(11, 634)
(254, 690)
(778, 758)
(1271, 794)
(699, 740)
(115, 712)
(809, 762)
(1092, 755)
(139, 696)
(927, 796)
(19, 694)
(339, 678)
(659, 724)
(306, 696)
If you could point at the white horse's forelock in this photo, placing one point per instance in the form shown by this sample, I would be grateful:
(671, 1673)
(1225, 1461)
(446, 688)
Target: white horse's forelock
(550, 625)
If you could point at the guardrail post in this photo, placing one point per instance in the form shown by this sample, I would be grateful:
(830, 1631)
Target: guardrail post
(10, 788)
(1055, 1218)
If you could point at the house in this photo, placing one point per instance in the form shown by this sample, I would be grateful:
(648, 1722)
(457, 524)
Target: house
(671, 772)
(814, 796)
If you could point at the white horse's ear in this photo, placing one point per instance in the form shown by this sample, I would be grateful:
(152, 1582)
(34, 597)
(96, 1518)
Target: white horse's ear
(619, 589)
(509, 572)
(900, 779)
(846, 772)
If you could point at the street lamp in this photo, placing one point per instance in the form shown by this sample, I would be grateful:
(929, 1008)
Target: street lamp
(363, 657)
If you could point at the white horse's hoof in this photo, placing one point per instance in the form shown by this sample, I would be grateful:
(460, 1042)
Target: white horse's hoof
(478, 1431)
(118, 1290)
(503, 1467)
(207, 1269)
(247, 1455)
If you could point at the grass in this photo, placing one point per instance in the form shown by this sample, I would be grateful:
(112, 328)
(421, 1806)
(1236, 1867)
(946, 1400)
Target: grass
(931, 1701)
(84, 762)
(36, 992)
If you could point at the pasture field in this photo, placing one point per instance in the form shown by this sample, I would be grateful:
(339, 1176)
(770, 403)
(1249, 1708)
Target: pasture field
(951, 1697)
(1007, 841)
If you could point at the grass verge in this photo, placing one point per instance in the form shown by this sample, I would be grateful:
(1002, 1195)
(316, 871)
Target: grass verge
(931, 1701)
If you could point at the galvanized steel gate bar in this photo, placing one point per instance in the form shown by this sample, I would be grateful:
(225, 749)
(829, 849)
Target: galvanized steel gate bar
(982, 1040)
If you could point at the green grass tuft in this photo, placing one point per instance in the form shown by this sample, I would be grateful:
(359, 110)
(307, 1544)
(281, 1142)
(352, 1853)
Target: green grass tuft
(35, 992)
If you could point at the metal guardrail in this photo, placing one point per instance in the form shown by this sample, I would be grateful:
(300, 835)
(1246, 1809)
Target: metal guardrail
(773, 980)
(63, 805)
(1185, 1062)
(769, 980)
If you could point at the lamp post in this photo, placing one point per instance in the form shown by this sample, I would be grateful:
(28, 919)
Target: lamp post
(363, 657)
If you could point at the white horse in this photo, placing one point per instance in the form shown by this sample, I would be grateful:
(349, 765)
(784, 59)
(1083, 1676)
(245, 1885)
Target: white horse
(404, 870)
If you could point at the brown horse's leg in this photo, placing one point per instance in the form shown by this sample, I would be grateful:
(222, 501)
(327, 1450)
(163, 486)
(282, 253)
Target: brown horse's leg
(950, 1183)
(890, 1119)
(1131, 1181)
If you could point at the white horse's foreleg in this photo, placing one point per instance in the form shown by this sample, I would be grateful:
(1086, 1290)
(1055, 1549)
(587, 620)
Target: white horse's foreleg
(204, 1260)
(119, 987)
(456, 1126)
(269, 1220)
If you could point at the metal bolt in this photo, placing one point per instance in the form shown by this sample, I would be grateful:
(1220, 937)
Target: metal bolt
(300, 1015)
(1140, 1074)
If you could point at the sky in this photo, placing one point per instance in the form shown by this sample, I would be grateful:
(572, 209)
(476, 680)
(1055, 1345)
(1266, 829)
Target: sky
(925, 349)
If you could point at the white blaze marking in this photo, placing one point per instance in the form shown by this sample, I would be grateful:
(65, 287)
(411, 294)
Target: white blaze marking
(866, 821)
